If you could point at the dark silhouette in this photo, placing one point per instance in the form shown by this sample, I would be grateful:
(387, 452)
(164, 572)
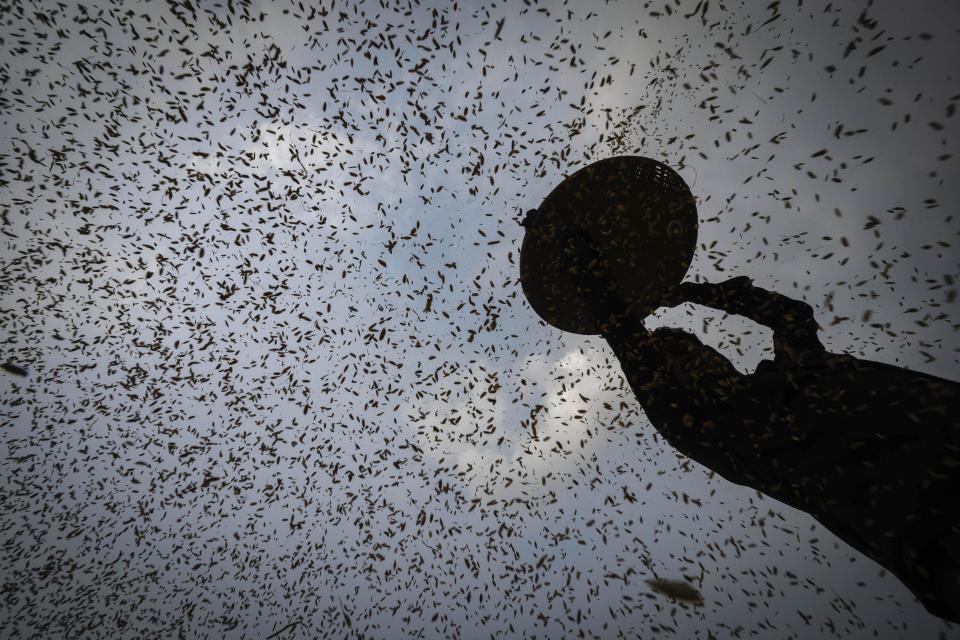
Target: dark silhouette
(870, 450)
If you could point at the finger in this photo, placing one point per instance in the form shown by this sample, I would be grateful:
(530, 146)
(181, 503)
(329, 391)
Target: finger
(675, 295)
(695, 291)
(739, 281)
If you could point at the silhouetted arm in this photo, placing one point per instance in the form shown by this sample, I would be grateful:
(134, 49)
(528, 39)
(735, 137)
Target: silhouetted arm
(644, 365)
(792, 321)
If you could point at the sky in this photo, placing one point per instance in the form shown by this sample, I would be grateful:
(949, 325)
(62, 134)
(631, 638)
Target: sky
(260, 262)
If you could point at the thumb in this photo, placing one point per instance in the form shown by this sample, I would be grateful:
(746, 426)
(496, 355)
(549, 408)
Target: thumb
(739, 281)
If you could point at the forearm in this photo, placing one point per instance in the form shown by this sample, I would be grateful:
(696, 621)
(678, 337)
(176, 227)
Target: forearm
(792, 321)
(681, 414)
(644, 365)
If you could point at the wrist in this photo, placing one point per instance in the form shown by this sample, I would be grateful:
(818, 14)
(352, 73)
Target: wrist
(623, 329)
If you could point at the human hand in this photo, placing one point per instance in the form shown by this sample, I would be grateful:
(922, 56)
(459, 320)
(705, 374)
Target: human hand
(711, 294)
(706, 293)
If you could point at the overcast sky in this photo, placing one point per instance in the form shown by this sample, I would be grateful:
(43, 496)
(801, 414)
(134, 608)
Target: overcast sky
(260, 262)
